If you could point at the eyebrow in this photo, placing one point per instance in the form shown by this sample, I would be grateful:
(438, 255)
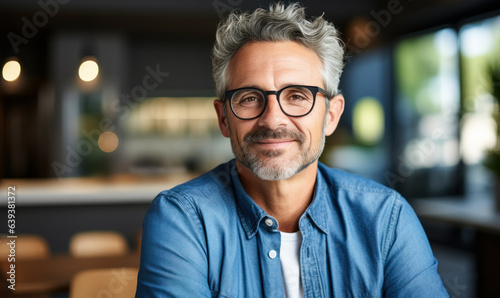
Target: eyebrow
(263, 89)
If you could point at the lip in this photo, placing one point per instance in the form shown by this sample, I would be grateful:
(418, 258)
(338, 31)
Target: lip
(274, 143)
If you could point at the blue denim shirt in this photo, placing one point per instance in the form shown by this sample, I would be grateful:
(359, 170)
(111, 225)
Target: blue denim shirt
(207, 238)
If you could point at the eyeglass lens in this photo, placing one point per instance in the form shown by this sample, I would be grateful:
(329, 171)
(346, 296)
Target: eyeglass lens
(294, 101)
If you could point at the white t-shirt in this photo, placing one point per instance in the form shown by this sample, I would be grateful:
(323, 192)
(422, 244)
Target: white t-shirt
(290, 264)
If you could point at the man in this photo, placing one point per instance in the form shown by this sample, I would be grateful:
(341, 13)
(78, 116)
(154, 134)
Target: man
(274, 222)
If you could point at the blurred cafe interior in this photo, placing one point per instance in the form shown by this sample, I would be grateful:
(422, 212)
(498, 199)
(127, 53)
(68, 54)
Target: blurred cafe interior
(103, 104)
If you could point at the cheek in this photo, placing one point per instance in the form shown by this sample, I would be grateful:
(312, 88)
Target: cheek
(238, 130)
(314, 130)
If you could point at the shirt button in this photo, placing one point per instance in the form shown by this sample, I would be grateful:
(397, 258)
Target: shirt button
(272, 254)
(269, 222)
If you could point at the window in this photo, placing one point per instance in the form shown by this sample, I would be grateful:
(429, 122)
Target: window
(165, 134)
(427, 115)
(480, 58)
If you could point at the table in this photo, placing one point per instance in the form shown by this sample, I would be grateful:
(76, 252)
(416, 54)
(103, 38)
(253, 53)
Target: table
(55, 273)
(92, 190)
(476, 212)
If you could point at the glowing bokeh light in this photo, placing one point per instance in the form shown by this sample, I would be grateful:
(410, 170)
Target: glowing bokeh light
(11, 70)
(88, 71)
(108, 141)
(368, 121)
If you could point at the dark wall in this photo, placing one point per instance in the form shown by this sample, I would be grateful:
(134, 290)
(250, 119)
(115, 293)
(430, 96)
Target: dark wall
(186, 60)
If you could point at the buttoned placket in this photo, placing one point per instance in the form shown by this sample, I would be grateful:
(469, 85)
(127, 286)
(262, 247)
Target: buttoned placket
(311, 277)
(270, 241)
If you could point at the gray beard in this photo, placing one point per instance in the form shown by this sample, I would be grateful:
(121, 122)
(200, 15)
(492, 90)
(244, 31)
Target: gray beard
(272, 169)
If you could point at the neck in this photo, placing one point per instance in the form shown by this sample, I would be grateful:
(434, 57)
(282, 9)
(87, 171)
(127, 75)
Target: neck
(285, 200)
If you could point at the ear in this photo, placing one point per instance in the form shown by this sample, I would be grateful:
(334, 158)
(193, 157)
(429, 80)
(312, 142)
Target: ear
(223, 121)
(334, 113)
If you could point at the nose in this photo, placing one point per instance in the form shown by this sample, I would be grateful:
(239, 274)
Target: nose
(272, 117)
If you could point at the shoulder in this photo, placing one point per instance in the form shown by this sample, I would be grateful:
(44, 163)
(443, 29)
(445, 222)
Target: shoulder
(213, 189)
(343, 181)
(371, 205)
(365, 197)
(217, 180)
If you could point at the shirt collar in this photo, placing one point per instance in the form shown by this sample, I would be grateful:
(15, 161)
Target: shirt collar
(251, 214)
(317, 211)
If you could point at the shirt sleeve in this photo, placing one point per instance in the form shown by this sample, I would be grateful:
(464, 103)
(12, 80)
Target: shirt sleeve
(173, 251)
(410, 266)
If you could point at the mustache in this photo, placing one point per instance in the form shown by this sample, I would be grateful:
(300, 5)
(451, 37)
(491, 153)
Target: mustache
(265, 133)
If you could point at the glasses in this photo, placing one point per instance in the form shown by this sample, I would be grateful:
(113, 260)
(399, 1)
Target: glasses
(294, 101)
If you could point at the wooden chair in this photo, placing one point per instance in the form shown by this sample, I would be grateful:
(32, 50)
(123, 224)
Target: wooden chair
(113, 282)
(98, 243)
(26, 246)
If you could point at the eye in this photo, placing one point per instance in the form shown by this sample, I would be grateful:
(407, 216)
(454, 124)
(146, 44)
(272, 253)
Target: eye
(297, 97)
(249, 99)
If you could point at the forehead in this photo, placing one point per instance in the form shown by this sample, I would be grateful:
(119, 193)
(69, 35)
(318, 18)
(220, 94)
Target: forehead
(274, 65)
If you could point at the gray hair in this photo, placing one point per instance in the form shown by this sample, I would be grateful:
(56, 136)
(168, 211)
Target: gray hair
(279, 23)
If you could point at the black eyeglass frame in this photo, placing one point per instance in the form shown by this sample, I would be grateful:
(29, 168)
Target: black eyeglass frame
(314, 90)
